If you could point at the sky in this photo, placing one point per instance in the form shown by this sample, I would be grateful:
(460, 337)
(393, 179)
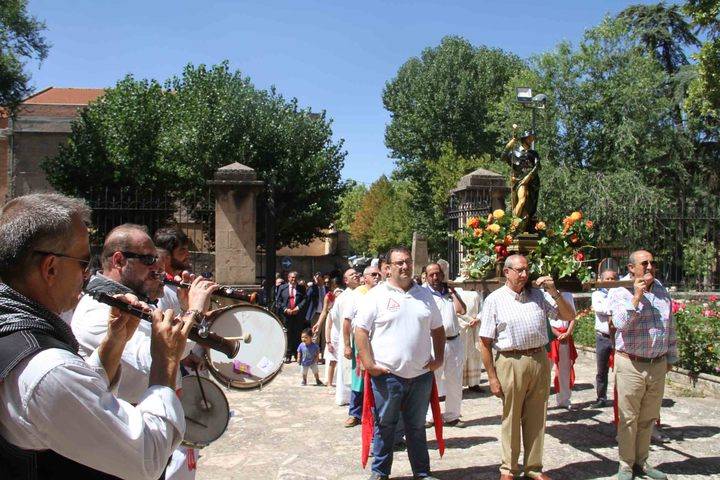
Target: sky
(330, 55)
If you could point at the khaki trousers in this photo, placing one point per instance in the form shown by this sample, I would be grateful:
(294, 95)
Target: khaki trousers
(640, 388)
(525, 381)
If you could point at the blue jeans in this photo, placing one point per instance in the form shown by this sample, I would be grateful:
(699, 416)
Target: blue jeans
(395, 397)
(356, 403)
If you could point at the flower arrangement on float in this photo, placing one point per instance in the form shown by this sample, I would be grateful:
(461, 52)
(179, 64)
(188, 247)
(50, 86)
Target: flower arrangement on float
(562, 252)
(485, 243)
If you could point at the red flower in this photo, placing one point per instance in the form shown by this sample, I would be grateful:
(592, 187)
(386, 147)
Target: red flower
(579, 256)
(676, 306)
(713, 298)
(708, 313)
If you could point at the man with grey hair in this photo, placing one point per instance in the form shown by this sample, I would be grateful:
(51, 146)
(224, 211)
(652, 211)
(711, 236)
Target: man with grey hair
(58, 416)
(514, 323)
(290, 303)
(646, 348)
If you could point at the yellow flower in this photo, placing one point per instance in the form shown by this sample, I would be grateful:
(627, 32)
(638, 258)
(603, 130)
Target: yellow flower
(494, 228)
(477, 232)
(498, 214)
(540, 226)
(575, 216)
(473, 222)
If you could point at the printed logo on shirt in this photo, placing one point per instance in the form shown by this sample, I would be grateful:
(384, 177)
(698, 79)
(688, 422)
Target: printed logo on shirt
(393, 306)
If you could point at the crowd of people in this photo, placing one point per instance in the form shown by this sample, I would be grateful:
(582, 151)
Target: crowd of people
(386, 331)
(89, 391)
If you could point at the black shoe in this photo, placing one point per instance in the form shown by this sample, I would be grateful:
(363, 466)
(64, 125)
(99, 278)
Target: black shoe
(429, 477)
(377, 476)
(600, 403)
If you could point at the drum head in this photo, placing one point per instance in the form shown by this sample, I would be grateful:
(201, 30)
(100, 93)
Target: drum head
(258, 360)
(206, 417)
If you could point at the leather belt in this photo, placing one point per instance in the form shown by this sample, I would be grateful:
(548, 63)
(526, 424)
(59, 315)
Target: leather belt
(529, 351)
(635, 358)
(452, 338)
(606, 335)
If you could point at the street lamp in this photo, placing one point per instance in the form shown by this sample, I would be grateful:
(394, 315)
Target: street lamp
(525, 96)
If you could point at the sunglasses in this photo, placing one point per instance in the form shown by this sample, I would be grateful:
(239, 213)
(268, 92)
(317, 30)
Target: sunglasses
(144, 258)
(645, 263)
(84, 264)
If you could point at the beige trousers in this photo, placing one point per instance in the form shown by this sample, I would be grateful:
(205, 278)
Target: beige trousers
(525, 381)
(640, 388)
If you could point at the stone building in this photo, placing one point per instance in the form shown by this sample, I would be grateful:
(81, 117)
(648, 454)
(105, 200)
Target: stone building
(41, 123)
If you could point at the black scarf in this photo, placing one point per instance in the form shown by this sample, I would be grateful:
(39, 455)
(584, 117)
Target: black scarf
(101, 283)
(17, 313)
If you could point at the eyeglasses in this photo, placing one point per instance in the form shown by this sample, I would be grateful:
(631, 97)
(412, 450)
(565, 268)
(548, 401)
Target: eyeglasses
(145, 259)
(374, 274)
(400, 263)
(645, 263)
(84, 264)
(519, 271)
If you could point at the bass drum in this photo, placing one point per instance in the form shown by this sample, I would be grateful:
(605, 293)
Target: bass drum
(206, 408)
(262, 347)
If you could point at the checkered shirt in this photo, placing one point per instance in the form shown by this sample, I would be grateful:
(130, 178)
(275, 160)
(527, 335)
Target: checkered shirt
(647, 331)
(517, 321)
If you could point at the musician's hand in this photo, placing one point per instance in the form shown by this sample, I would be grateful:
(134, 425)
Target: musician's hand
(495, 387)
(348, 352)
(182, 293)
(376, 370)
(167, 346)
(122, 325)
(193, 362)
(199, 294)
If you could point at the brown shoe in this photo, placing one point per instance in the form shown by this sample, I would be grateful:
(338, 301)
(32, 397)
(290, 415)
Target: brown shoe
(352, 422)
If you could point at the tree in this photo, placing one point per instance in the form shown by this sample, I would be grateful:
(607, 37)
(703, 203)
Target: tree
(443, 97)
(141, 136)
(350, 203)
(20, 39)
(663, 31)
(704, 96)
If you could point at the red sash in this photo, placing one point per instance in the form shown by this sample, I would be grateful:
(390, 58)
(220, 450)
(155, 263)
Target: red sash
(554, 355)
(368, 422)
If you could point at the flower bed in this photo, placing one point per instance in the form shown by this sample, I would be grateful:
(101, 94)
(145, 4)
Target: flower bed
(698, 334)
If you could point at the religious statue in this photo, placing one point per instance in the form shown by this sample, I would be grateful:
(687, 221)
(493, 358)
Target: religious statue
(525, 178)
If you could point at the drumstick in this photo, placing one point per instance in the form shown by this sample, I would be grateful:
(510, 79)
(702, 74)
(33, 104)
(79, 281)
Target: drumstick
(246, 337)
(202, 390)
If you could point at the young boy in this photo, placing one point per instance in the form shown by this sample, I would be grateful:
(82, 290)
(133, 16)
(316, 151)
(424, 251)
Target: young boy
(307, 354)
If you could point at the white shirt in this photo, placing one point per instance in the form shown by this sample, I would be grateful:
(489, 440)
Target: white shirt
(447, 311)
(55, 400)
(170, 300)
(342, 309)
(400, 323)
(603, 312)
(558, 323)
(89, 324)
(517, 321)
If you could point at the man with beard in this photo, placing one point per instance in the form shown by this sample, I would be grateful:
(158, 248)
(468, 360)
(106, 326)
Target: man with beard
(176, 261)
(58, 415)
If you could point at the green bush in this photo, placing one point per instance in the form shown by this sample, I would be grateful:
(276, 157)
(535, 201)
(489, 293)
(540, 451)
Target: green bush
(697, 328)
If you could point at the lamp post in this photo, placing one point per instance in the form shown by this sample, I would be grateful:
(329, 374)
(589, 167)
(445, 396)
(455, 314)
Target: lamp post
(525, 96)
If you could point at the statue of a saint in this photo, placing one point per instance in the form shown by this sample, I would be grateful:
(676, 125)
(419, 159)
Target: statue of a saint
(525, 179)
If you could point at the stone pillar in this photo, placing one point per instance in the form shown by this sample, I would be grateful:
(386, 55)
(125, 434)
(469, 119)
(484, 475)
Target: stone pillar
(236, 187)
(419, 253)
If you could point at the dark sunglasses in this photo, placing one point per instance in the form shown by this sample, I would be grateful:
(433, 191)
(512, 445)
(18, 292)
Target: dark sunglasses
(145, 259)
(84, 264)
(645, 263)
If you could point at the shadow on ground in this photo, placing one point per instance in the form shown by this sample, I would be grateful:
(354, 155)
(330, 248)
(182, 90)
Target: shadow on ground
(461, 442)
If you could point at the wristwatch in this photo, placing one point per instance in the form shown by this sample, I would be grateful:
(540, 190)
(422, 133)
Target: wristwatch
(197, 315)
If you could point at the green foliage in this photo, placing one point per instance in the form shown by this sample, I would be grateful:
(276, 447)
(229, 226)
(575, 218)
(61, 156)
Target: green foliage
(698, 259)
(20, 38)
(698, 332)
(705, 95)
(485, 242)
(563, 251)
(584, 331)
(382, 219)
(350, 202)
(140, 136)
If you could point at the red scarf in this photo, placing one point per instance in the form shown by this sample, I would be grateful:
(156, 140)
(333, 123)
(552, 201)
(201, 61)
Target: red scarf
(368, 422)
(554, 355)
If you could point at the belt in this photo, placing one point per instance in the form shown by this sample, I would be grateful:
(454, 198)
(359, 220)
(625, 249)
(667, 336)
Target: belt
(606, 335)
(635, 358)
(452, 338)
(529, 351)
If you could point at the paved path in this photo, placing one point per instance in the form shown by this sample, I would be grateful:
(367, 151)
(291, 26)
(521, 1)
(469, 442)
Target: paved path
(289, 432)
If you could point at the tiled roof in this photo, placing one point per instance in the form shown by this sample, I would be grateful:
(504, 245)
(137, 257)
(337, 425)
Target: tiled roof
(64, 96)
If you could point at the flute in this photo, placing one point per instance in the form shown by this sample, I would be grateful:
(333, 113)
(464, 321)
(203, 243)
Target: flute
(228, 346)
(224, 291)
